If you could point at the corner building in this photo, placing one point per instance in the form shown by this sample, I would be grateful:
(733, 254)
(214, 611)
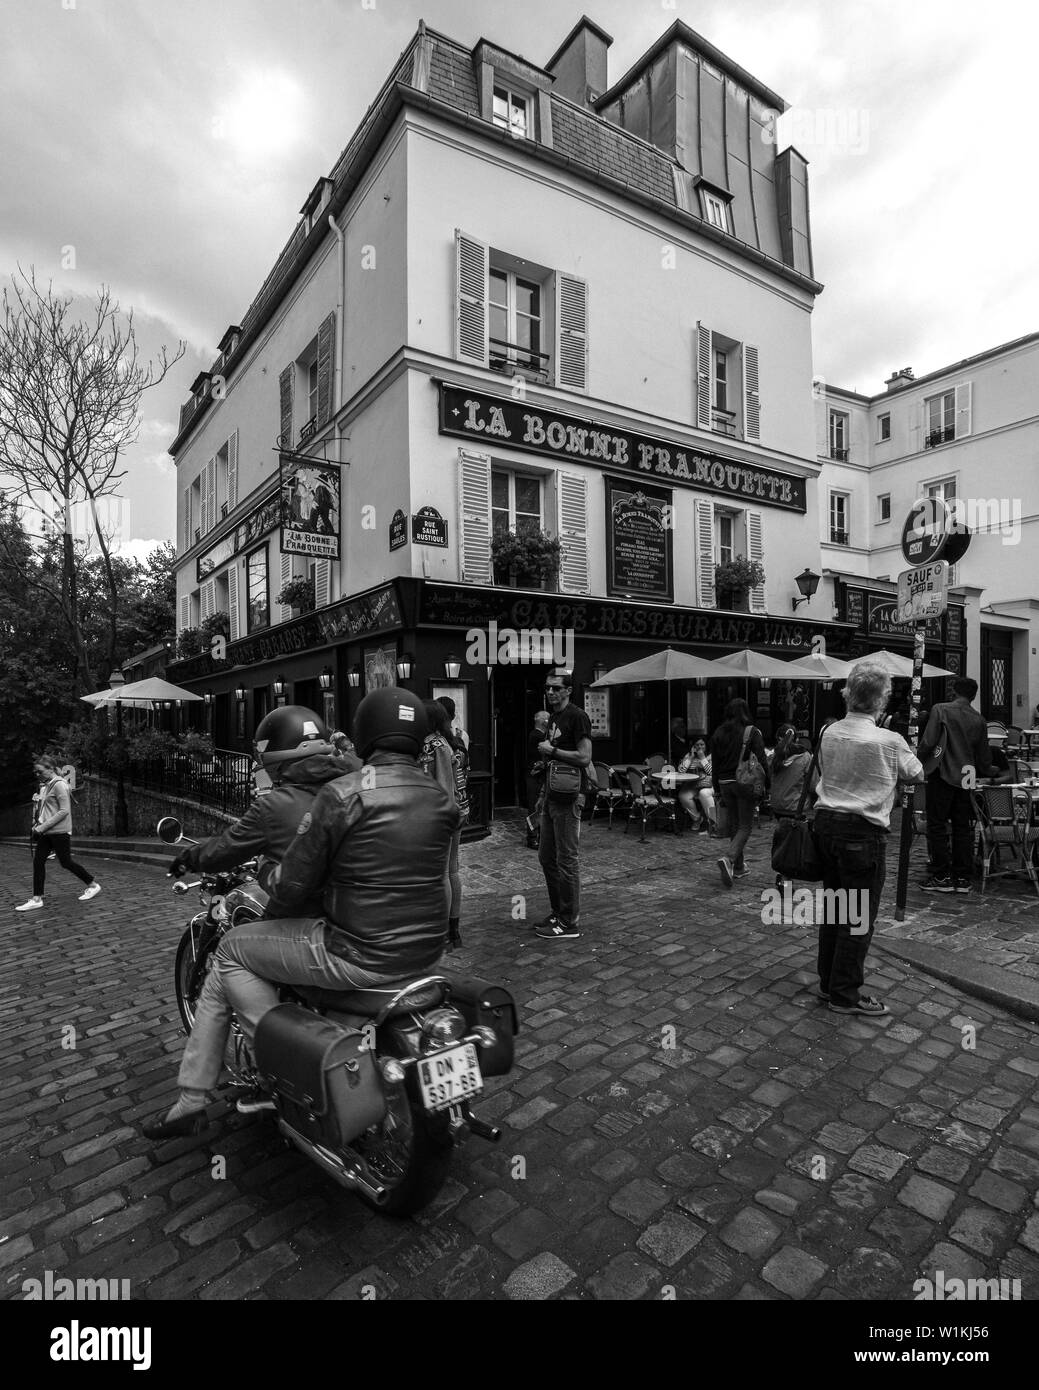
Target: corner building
(525, 298)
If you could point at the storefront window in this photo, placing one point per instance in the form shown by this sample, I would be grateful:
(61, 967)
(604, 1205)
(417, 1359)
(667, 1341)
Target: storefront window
(259, 602)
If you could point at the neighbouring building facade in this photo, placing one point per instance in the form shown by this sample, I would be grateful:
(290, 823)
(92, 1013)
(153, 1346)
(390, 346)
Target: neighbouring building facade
(527, 300)
(968, 433)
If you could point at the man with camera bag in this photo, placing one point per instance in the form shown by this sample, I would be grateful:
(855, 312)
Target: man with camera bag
(567, 750)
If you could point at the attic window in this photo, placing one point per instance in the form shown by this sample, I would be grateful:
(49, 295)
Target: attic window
(715, 207)
(513, 110)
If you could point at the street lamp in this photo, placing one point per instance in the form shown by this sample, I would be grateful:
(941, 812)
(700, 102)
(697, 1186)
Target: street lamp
(599, 670)
(405, 666)
(807, 582)
(122, 814)
(452, 667)
(278, 686)
(240, 694)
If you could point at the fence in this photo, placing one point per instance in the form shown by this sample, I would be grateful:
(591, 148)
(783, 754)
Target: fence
(223, 781)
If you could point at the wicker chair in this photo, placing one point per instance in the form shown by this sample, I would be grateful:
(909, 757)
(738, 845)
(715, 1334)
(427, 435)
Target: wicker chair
(646, 802)
(1006, 834)
(609, 792)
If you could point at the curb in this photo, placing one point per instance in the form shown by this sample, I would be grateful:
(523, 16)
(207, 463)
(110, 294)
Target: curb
(991, 983)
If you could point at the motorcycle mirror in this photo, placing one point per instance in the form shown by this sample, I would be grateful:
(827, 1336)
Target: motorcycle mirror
(170, 830)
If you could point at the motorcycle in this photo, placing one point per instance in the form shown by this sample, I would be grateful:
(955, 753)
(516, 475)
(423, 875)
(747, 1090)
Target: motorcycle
(373, 1085)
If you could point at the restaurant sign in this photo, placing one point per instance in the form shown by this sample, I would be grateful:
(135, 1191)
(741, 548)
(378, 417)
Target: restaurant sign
(517, 424)
(638, 541)
(884, 621)
(310, 507)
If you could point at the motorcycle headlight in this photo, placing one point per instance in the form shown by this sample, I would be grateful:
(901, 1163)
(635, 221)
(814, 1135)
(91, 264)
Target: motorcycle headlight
(441, 1028)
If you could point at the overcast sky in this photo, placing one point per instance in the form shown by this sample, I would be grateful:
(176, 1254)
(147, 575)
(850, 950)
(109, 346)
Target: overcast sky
(170, 143)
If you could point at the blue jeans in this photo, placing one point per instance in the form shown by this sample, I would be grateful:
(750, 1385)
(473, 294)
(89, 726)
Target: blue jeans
(854, 858)
(290, 950)
(558, 853)
(739, 820)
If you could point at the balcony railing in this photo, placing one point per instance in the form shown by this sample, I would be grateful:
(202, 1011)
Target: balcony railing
(839, 454)
(518, 358)
(839, 537)
(723, 422)
(308, 429)
(942, 436)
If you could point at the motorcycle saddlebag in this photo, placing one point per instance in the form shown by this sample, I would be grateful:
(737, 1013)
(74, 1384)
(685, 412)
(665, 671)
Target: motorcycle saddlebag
(494, 1007)
(329, 1082)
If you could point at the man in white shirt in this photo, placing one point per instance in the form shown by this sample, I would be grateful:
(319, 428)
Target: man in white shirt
(860, 767)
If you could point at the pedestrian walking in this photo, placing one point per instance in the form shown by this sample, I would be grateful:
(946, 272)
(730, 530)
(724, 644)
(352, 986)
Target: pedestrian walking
(443, 757)
(791, 760)
(52, 833)
(955, 739)
(567, 750)
(739, 783)
(860, 767)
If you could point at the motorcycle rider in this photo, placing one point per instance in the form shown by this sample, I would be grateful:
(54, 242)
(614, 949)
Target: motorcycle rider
(375, 845)
(294, 748)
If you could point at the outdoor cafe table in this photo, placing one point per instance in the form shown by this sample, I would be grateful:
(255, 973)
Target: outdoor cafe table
(1030, 742)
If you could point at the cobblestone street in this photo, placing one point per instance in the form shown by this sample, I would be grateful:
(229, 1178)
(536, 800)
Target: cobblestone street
(685, 1118)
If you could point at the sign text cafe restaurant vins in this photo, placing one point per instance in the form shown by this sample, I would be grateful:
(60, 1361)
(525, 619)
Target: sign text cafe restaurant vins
(643, 522)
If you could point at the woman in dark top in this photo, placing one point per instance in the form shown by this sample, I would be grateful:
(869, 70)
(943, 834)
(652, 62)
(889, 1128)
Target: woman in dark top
(727, 750)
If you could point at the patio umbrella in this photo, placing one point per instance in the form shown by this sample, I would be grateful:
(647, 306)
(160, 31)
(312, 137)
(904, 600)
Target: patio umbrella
(141, 693)
(902, 666)
(819, 666)
(749, 664)
(667, 665)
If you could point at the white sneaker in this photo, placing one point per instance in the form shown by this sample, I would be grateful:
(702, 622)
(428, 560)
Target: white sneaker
(91, 892)
(30, 906)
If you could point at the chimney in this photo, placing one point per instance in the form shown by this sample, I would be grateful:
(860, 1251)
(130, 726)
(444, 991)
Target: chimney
(897, 380)
(579, 63)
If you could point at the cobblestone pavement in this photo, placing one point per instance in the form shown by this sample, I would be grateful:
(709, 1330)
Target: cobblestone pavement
(684, 1119)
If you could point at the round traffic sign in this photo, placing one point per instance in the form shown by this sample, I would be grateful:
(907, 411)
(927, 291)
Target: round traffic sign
(933, 530)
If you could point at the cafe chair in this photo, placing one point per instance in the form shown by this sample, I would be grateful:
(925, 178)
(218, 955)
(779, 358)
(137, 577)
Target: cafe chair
(657, 763)
(997, 732)
(647, 803)
(1013, 743)
(1020, 770)
(609, 792)
(1006, 833)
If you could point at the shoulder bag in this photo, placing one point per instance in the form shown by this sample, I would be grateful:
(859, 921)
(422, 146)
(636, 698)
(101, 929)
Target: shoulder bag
(794, 851)
(750, 775)
(564, 781)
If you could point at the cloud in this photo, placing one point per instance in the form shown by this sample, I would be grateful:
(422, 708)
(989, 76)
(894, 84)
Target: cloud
(136, 549)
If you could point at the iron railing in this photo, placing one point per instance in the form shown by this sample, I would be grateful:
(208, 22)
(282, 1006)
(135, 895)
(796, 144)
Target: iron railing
(942, 436)
(223, 780)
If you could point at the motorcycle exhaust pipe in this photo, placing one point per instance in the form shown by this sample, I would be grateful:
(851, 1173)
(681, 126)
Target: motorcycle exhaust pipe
(350, 1178)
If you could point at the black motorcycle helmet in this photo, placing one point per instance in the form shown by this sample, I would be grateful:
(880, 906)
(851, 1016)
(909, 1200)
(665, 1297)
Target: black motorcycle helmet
(392, 720)
(289, 733)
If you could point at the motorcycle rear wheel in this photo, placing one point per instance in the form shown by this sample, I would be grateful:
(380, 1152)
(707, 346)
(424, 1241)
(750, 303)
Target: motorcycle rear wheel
(409, 1152)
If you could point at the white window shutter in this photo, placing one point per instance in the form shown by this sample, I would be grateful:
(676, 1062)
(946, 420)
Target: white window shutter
(214, 515)
(572, 332)
(187, 519)
(703, 383)
(232, 472)
(284, 610)
(963, 409)
(751, 399)
(203, 497)
(471, 262)
(185, 611)
(232, 601)
(474, 521)
(572, 504)
(705, 595)
(323, 583)
(208, 599)
(756, 551)
(326, 339)
(285, 383)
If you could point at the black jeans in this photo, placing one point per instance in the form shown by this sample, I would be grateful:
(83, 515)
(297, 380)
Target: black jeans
(559, 854)
(854, 859)
(947, 804)
(62, 847)
(739, 820)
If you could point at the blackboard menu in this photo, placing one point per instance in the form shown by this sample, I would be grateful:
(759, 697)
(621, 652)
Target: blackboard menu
(639, 527)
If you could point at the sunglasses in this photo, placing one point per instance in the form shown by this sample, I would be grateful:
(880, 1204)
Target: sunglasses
(550, 689)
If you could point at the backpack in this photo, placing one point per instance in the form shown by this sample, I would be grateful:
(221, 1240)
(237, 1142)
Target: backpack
(750, 775)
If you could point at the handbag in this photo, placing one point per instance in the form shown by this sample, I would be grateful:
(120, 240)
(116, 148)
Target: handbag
(564, 781)
(794, 851)
(750, 775)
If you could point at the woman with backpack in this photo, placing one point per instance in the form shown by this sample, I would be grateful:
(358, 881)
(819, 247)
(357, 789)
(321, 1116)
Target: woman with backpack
(740, 777)
(444, 757)
(52, 833)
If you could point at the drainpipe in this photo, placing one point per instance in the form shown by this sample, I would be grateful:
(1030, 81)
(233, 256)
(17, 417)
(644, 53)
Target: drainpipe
(340, 314)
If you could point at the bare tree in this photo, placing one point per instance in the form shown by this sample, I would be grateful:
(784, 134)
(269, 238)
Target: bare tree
(70, 400)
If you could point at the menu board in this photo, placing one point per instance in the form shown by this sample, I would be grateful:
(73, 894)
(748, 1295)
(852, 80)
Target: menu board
(639, 522)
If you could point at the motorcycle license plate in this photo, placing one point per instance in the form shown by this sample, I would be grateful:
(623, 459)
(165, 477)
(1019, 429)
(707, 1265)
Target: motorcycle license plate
(449, 1077)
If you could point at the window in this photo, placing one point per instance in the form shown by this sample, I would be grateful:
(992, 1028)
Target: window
(940, 419)
(839, 436)
(725, 370)
(257, 590)
(721, 380)
(517, 505)
(883, 428)
(312, 390)
(724, 537)
(515, 322)
(884, 507)
(715, 210)
(727, 397)
(945, 488)
(839, 528)
(512, 111)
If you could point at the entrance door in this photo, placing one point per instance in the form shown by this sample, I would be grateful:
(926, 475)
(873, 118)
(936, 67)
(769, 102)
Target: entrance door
(997, 674)
(518, 695)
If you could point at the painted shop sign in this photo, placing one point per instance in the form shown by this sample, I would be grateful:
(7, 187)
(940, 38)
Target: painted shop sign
(884, 622)
(638, 541)
(310, 494)
(257, 524)
(442, 605)
(474, 416)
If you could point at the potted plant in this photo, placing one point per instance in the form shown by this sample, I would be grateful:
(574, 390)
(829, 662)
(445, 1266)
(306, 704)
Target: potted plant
(734, 579)
(216, 624)
(297, 594)
(527, 557)
(189, 642)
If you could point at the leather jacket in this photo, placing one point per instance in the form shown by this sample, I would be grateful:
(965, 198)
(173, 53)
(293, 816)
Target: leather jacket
(378, 843)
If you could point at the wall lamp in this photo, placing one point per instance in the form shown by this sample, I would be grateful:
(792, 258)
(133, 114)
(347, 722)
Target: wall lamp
(807, 582)
(599, 670)
(353, 677)
(208, 697)
(240, 693)
(278, 686)
(405, 666)
(325, 679)
(452, 667)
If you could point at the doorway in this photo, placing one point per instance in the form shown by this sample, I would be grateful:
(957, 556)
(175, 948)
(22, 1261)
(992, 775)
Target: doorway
(518, 695)
(997, 674)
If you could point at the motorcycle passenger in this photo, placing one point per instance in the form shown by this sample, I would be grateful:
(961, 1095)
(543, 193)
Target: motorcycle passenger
(376, 844)
(293, 746)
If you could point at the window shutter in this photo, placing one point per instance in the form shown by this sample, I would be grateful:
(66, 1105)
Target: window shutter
(572, 334)
(232, 472)
(705, 596)
(323, 583)
(703, 384)
(755, 551)
(471, 260)
(185, 611)
(203, 497)
(187, 519)
(917, 426)
(572, 503)
(232, 601)
(214, 515)
(284, 610)
(208, 599)
(751, 400)
(963, 409)
(326, 339)
(474, 525)
(285, 393)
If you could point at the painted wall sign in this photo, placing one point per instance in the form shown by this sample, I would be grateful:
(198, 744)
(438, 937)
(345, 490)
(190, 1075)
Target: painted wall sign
(398, 530)
(310, 508)
(428, 527)
(884, 621)
(638, 541)
(491, 420)
(596, 704)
